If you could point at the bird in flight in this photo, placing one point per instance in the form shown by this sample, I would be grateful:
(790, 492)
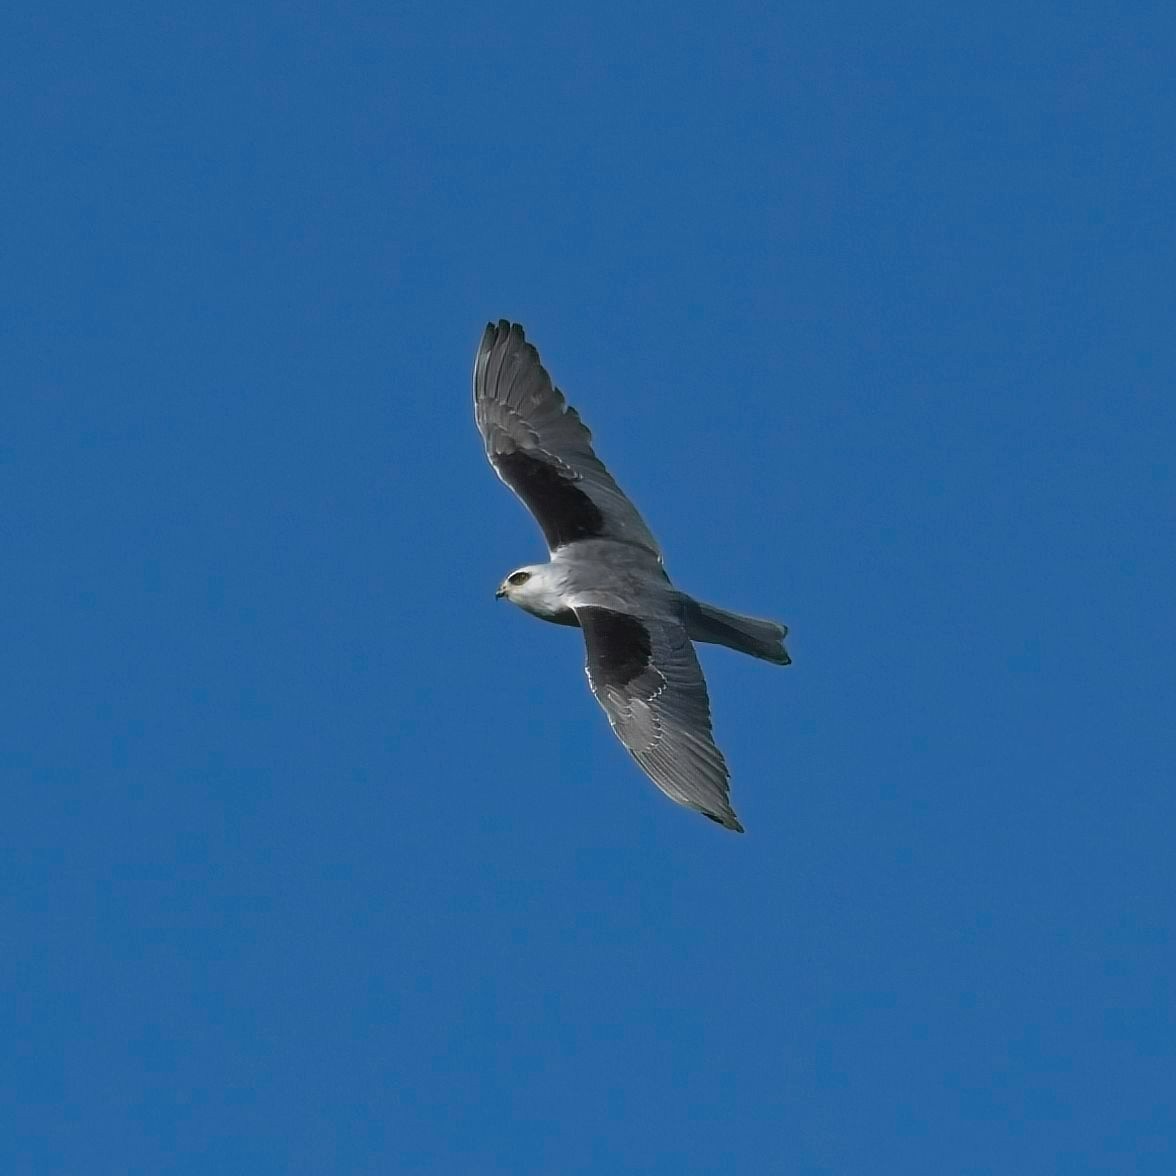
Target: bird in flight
(605, 575)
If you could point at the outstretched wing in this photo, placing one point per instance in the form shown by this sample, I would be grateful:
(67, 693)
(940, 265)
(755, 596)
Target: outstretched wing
(646, 676)
(541, 449)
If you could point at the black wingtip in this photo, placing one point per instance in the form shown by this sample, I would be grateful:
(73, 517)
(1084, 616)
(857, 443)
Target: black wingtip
(503, 333)
(728, 821)
(503, 327)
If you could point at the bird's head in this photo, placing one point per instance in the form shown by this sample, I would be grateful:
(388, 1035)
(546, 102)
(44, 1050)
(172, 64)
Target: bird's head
(514, 587)
(532, 588)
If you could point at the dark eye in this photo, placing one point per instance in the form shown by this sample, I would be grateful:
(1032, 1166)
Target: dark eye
(518, 577)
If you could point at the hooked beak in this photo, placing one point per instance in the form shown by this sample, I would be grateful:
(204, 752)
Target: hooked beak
(500, 594)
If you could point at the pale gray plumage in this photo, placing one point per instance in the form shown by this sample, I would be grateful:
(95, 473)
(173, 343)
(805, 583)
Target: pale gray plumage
(605, 575)
(663, 717)
(519, 410)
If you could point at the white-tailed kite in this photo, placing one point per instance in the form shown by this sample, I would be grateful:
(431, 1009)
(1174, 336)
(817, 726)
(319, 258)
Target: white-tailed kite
(605, 575)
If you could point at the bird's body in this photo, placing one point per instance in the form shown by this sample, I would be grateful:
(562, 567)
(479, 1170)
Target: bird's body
(573, 578)
(606, 576)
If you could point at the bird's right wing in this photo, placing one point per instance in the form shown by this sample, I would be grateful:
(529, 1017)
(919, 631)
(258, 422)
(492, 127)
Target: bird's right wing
(646, 676)
(541, 449)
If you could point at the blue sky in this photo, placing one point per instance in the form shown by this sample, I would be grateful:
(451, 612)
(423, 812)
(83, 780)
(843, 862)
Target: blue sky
(315, 858)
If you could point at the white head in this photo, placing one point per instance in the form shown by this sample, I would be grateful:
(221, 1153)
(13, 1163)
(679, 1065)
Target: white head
(535, 589)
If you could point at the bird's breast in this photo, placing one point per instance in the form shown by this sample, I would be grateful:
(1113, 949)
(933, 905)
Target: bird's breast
(557, 614)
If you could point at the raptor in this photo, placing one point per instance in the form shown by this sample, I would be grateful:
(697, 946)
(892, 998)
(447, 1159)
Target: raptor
(605, 575)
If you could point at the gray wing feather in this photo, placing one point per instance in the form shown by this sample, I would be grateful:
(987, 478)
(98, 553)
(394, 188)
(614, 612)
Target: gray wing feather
(656, 701)
(541, 449)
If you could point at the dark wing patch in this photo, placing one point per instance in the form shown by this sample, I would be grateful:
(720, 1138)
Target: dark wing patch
(619, 646)
(541, 449)
(646, 676)
(564, 511)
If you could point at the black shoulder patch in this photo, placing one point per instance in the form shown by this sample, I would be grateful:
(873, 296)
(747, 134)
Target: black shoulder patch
(563, 510)
(619, 646)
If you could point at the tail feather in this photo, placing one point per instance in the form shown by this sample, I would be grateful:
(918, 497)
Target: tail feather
(760, 638)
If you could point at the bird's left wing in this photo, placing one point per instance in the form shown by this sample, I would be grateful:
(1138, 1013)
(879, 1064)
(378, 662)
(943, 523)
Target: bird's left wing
(646, 676)
(541, 449)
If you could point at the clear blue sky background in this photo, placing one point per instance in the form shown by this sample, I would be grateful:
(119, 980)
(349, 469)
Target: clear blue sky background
(316, 859)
